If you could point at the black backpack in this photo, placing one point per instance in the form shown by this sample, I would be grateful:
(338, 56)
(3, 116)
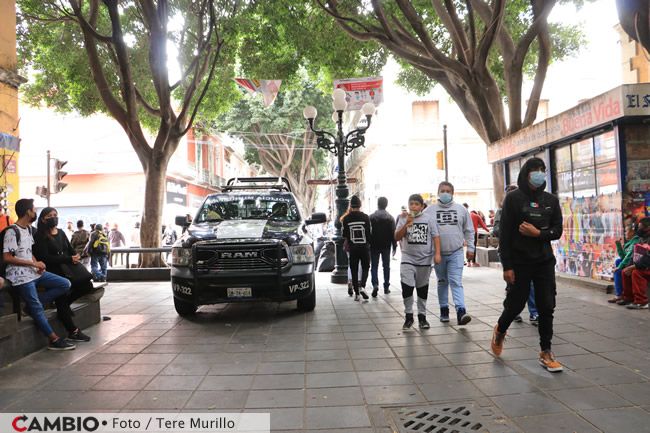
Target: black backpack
(3, 265)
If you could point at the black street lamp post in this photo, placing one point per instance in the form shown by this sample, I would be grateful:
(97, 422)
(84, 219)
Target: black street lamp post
(340, 145)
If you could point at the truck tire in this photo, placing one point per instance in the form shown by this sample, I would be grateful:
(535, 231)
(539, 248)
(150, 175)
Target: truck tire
(184, 308)
(308, 303)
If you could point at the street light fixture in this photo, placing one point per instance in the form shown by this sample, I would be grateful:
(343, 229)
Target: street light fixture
(340, 145)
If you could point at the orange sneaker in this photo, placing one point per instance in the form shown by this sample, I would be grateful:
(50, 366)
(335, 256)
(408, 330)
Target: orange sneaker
(547, 360)
(498, 338)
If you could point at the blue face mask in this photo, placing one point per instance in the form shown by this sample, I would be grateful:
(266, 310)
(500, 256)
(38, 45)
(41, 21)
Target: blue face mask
(537, 178)
(445, 197)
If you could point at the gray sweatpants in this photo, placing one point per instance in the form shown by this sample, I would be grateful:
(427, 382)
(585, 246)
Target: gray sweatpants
(415, 278)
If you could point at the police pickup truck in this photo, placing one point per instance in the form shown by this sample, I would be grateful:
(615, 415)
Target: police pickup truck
(247, 243)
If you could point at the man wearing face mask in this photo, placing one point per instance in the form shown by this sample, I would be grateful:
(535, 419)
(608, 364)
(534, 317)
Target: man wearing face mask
(456, 228)
(531, 219)
(26, 273)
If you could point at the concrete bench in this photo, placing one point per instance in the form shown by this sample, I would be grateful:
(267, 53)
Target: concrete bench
(486, 255)
(19, 336)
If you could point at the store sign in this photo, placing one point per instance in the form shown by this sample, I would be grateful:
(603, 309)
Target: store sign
(361, 90)
(627, 100)
(176, 192)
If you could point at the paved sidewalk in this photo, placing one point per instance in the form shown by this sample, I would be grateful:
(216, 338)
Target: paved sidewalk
(345, 366)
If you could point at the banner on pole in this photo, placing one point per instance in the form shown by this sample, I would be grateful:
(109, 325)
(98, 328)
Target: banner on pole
(362, 90)
(267, 88)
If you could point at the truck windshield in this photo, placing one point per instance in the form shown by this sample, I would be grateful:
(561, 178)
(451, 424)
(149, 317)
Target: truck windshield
(243, 207)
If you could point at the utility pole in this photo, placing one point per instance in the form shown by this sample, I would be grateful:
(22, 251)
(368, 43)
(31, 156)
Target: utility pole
(444, 141)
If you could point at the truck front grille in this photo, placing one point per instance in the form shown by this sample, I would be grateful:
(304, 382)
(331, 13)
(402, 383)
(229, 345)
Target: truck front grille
(240, 257)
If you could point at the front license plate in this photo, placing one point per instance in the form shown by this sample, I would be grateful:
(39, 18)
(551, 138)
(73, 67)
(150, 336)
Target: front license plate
(240, 292)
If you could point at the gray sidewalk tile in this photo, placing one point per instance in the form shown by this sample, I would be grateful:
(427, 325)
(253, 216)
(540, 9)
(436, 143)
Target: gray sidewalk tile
(174, 383)
(435, 375)
(335, 366)
(557, 422)
(450, 391)
(336, 417)
(177, 369)
(590, 398)
(484, 371)
(226, 383)
(424, 361)
(386, 377)
(138, 369)
(122, 383)
(234, 368)
(528, 404)
(349, 396)
(159, 400)
(71, 383)
(377, 364)
(217, 400)
(505, 385)
(275, 398)
(637, 393)
(279, 381)
(328, 380)
(285, 419)
(613, 375)
(281, 367)
(624, 420)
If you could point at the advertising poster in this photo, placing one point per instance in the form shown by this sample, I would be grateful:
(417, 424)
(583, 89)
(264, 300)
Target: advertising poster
(269, 89)
(591, 227)
(362, 90)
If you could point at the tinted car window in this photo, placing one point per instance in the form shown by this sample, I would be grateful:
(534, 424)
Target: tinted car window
(222, 207)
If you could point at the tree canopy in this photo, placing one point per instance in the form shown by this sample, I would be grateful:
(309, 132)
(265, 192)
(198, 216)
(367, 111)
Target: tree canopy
(276, 138)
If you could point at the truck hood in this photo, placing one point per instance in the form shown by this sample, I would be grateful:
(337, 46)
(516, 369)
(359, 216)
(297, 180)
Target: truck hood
(248, 229)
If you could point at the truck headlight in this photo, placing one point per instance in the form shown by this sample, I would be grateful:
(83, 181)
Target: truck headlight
(181, 256)
(302, 254)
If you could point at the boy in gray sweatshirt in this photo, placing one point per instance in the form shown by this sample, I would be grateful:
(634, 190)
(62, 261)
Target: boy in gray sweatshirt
(456, 230)
(420, 243)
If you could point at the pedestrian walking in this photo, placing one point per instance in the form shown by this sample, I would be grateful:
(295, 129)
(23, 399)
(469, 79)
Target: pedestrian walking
(356, 233)
(477, 221)
(382, 241)
(98, 248)
(530, 220)
(79, 240)
(456, 230)
(117, 240)
(420, 245)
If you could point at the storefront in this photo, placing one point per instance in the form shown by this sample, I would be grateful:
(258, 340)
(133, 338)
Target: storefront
(598, 159)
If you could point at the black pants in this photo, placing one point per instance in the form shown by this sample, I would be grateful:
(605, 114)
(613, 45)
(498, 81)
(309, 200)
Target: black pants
(63, 311)
(374, 266)
(543, 277)
(359, 255)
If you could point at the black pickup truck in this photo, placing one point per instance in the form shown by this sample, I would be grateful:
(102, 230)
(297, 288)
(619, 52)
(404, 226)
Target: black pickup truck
(247, 243)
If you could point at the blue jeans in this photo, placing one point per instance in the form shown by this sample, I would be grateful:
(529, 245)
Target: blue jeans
(374, 266)
(98, 265)
(532, 308)
(55, 287)
(618, 279)
(449, 272)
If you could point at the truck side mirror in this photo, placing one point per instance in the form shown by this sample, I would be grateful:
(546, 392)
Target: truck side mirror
(317, 218)
(182, 221)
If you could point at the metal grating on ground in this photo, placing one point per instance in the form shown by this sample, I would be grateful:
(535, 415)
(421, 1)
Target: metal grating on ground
(450, 418)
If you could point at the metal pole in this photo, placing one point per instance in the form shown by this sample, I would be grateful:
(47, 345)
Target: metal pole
(48, 179)
(444, 140)
(340, 273)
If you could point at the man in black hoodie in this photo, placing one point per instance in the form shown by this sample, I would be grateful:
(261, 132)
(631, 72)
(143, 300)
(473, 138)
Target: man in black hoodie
(381, 242)
(531, 219)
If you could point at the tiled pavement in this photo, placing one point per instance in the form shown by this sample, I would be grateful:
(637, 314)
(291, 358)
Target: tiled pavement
(343, 366)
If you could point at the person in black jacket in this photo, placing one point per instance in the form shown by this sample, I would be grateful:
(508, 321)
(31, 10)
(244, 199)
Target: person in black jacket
(530, 220)
(357, 232)
(52, 247)
(381, 242)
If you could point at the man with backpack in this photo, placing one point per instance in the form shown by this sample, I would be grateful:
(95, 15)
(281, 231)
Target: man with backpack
(79, 241)
(98, 248)
(26, 273)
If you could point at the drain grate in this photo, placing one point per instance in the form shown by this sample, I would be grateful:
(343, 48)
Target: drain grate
(450, 418)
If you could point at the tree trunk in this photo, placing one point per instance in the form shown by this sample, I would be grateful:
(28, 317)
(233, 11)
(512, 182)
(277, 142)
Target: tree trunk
(498, 183)
(151, 225)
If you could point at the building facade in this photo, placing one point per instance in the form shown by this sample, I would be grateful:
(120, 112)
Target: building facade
(9, 118)
(598, 159)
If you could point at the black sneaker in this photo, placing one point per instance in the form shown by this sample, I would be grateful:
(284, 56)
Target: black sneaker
(422, 320)
(374, 291)
(444, 314)
(534, 319)
(408, 322)
(518, 319)
(61, 344)
(463, 317)
(623, 302)
(362, 292)
(78, 336)
(350, 291)
(386, 290)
